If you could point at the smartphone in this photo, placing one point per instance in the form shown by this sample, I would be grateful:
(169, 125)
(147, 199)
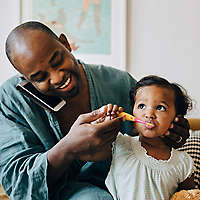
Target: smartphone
(51, 103)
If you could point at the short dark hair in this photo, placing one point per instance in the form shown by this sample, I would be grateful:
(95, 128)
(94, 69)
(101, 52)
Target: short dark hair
(31, 25)
(183, 103)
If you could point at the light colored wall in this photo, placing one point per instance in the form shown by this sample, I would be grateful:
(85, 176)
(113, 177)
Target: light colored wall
(162, 39)
(9, 18)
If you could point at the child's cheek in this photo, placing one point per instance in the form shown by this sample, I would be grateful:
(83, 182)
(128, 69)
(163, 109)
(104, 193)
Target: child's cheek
(138, 126)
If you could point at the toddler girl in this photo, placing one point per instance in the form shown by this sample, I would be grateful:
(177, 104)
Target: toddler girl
(144, 167)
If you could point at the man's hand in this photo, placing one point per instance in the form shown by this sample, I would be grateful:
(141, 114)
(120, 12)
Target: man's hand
(178, 133)
(92, 141)
(85, 141)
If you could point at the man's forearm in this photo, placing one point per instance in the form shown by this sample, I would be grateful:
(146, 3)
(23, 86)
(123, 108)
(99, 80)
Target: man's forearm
(59, 159)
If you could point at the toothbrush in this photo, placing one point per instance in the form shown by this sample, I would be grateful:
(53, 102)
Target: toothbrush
(134, 119)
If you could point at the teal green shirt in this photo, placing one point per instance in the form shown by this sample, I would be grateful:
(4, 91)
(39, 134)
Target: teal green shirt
(27, 132)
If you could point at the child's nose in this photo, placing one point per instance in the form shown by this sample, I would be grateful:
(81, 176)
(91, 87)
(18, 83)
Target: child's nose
(150, 114)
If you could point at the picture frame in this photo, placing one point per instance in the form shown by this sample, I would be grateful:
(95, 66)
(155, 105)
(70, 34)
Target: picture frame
(97, 35)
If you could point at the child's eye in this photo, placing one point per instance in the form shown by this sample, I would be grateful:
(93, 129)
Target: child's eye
(141, 106)
(162, 108)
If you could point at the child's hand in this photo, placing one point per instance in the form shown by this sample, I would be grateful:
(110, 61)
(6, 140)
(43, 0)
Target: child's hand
(111, 111)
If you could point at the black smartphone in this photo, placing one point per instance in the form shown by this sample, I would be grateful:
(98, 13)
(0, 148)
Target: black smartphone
(51, 103)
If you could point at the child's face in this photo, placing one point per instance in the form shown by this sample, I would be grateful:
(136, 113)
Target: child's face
(155, 105)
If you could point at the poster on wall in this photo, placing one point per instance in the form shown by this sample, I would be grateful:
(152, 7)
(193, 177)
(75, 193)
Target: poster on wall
(96, 29)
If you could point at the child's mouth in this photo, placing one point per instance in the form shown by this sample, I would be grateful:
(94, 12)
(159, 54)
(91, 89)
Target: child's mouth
(149, 126)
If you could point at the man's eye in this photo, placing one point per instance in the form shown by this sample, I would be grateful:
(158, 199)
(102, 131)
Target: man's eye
(41, 78)
(58, 61)
(162, 108)
(141, 106)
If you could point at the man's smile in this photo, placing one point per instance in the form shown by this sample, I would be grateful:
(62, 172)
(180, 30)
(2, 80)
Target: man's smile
(65, 84)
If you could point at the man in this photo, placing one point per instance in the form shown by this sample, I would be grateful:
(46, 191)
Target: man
(59, 155)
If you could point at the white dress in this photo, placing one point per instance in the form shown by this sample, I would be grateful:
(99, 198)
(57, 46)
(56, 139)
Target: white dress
(134, 175)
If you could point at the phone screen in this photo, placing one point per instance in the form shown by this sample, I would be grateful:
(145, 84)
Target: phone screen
(50, 102)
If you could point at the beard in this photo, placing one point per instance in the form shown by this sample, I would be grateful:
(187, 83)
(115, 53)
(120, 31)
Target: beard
(73, 92)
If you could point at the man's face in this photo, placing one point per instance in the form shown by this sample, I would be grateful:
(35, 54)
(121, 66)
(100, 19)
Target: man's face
(47, 64)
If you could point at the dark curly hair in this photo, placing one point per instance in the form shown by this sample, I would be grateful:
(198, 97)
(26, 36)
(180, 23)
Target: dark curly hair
(183, 102)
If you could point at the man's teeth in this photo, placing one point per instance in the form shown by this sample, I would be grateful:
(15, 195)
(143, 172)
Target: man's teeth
(65, 84)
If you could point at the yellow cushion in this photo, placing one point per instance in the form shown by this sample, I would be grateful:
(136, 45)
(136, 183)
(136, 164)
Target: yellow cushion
(3, 196)
(194, 123)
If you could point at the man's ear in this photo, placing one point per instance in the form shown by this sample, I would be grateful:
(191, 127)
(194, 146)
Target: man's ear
(64, 41)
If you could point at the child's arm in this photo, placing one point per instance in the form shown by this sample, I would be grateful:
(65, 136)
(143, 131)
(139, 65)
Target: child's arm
(187, 184)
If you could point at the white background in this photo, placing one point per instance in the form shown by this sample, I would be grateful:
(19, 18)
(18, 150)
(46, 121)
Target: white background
(9, 18)
(163, 38)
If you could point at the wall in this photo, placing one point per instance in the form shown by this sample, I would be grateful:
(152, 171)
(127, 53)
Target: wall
(9, 18)
(162, 38)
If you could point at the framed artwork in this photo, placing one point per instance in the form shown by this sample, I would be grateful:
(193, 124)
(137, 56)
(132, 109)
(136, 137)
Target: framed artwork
(96, 29)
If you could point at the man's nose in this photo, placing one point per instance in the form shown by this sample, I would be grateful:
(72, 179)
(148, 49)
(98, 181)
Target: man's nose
(55, 79)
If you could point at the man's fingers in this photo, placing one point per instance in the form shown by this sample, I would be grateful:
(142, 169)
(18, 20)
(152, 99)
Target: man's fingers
(180, 128)
(109, 138)
(99, 120)
(92, 116)
(109, 125)
(179, 133)
(183, 122)
(176, 142)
